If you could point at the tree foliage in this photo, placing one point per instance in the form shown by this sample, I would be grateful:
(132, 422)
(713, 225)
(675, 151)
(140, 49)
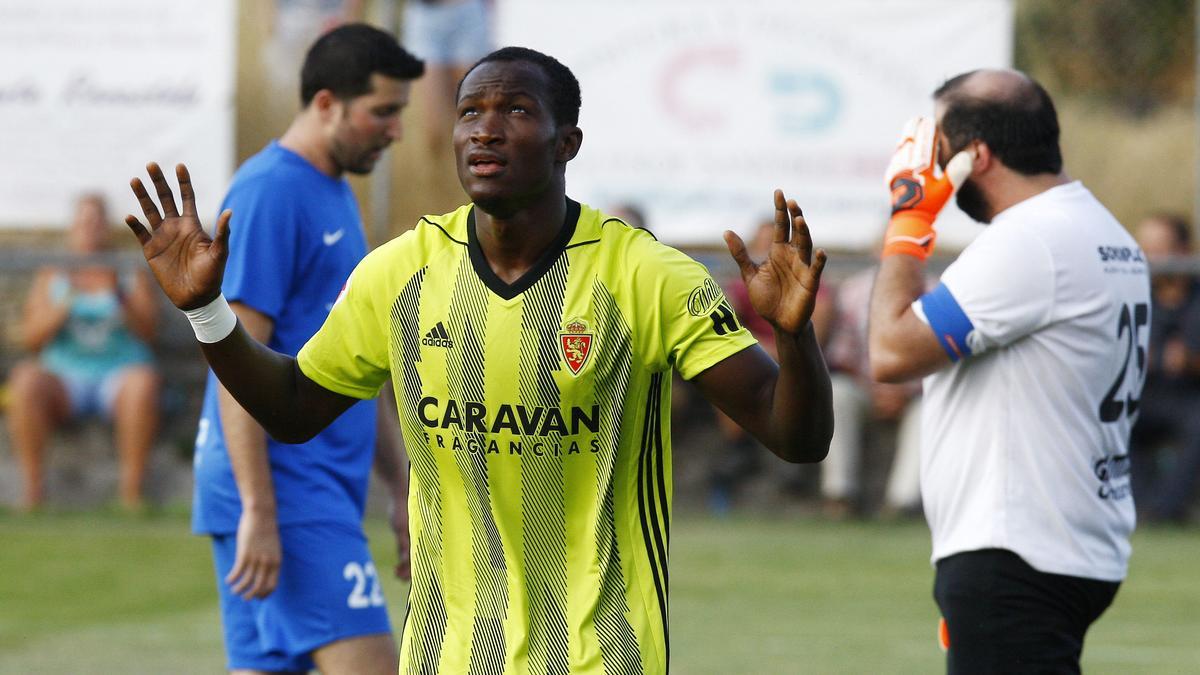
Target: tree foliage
(1136, 54)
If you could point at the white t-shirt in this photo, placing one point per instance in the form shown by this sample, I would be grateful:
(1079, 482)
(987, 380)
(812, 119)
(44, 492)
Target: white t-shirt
(1025, 439)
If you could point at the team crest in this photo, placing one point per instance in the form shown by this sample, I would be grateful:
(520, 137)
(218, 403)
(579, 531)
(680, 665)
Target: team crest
(576, 343)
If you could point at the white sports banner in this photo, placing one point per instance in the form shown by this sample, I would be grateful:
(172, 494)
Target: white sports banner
(90, 91)
(697, 109)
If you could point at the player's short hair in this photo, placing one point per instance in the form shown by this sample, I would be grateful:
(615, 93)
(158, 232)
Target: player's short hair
(1020, 128)
(344, 59)
(565, 98)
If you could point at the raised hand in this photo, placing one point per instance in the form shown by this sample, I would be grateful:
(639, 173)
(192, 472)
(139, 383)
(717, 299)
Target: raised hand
(186, 262)
(782, 288)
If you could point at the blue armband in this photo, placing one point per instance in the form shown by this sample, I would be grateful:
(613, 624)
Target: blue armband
(948, 321)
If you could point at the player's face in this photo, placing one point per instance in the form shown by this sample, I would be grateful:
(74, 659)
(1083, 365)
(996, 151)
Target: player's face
(506, 141)
(973, 202)
(89, 230)
(368, 124)
(970, 198)
(1157, 240)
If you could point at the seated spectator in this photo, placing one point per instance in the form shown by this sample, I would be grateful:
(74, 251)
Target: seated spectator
(1166, 438)
(89, 326)
(449, 36)
(863, 410)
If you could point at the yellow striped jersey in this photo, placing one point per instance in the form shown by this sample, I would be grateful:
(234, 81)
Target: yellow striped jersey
(536, 418)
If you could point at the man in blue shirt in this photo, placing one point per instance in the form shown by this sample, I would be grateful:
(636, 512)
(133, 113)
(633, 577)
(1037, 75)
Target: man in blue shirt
(297, 584)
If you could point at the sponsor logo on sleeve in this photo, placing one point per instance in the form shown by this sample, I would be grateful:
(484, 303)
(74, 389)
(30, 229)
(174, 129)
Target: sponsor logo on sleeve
(708, 299)
(704, 298)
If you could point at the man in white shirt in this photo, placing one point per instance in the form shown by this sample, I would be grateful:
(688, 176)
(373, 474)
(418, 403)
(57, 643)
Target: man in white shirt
(1033, 352)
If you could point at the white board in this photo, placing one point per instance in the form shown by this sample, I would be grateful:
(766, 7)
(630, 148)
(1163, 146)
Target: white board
(697, 109)
(91, 91)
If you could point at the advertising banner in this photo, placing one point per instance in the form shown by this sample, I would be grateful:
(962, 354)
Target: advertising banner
(91, 91)
(695, 110)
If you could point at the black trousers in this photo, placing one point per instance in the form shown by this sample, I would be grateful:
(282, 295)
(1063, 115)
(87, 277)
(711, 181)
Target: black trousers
(1003, 616)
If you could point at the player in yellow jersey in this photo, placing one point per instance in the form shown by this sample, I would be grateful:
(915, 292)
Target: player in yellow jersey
(530, 341)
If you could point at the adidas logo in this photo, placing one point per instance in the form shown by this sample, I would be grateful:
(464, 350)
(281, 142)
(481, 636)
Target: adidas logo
(438, 337)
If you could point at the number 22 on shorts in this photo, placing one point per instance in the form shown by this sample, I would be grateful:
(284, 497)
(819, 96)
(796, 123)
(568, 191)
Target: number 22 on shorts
(363, 576)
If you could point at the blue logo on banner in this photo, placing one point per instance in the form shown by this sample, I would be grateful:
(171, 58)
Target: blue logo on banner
(809, 102)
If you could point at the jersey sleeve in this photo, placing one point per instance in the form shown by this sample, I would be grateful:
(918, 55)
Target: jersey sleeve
(349, 354)
(263, 243)
(691, 324)
(998, 291)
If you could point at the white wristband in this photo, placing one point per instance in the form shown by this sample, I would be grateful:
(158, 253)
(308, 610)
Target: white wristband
(212, 322)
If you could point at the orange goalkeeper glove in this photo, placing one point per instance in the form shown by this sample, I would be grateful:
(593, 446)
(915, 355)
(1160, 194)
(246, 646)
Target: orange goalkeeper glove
(919, 188)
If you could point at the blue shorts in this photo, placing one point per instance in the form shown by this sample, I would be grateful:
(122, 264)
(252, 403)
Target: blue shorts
(328, 590)
(90, 395)
(450, 32)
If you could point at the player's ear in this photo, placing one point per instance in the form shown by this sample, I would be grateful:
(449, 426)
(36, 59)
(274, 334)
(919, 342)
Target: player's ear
(326, 105)
(983, 158)
(570, 138)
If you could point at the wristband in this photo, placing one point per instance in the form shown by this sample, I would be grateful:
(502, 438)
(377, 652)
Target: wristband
(212, 322)
(909, 233)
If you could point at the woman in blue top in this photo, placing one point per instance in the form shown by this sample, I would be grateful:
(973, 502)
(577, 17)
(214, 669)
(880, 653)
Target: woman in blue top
(89, 325)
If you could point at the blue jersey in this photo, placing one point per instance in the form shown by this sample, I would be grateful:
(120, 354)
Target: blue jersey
(295, 237)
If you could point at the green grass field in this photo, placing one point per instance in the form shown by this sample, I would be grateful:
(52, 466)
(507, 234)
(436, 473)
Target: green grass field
(98, 593)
